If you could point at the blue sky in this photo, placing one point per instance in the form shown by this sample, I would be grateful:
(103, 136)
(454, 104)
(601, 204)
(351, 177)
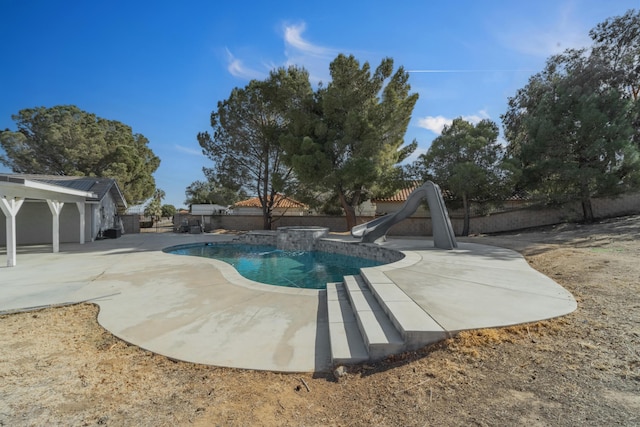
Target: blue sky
(161, 67)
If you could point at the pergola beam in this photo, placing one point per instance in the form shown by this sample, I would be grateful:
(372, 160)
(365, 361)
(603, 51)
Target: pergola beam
(14, 191)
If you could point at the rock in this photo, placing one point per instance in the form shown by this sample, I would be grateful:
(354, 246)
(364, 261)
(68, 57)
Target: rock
(340, 372)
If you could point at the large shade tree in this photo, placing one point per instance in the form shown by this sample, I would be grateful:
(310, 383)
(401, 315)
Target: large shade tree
(65, 140)
(617, 48)
(467, 160)
(349, 139)
(571, 129)
(617, 45)
(247, 128)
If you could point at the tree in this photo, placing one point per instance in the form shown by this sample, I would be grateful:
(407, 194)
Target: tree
(245, 145)
(154, 208)
(467, 160)
(168, 211)
(210, 192)
(571, 132)
(617, 45)
(617, 48)
(348, 138)
(65, 140)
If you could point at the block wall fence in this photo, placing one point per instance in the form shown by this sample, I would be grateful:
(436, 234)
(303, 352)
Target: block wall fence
(511, 220)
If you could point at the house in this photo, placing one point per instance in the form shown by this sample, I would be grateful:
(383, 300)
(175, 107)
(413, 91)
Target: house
(389, 205)
(51, 209)
(517, 200)
(284, 206)
(208, 209)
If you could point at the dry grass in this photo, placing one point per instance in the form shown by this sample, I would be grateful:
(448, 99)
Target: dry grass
(59, 367)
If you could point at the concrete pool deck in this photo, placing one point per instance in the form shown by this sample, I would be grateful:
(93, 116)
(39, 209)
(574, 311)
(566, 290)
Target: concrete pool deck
(201, 310)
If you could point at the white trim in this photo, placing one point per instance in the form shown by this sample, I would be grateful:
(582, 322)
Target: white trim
(55, 207)
(81, 209)
(10, 208)
(26, 185)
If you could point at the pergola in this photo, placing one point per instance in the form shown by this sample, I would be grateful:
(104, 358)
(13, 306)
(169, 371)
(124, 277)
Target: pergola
(14, 191)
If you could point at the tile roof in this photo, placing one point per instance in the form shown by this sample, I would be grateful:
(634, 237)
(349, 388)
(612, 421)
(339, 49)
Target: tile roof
(401, 195)
(283, 202)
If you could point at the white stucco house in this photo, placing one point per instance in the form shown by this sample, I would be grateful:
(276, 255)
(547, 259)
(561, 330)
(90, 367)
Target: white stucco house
(51, 209)
(208, 209)
(283, 206)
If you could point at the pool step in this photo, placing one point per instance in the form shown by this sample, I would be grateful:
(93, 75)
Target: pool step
(371, 318)
(347, 345)
(416, 327)
(380, 336)
(359, 330)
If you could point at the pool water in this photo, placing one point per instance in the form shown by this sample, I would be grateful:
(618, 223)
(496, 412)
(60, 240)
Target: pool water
(267, 264)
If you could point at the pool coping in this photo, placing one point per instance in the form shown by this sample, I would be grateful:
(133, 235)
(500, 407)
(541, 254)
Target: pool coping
(233, 276)
(203, 311)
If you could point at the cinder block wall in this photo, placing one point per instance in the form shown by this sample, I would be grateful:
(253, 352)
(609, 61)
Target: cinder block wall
(421, 226)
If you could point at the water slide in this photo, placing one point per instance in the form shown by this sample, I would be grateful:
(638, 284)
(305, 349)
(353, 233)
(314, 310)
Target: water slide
(443, 236)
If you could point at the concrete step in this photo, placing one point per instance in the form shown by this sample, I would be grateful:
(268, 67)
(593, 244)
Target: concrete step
(347, 345)
(415, 325)
(380, 336)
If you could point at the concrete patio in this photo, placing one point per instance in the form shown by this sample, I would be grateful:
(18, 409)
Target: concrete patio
(203, 311)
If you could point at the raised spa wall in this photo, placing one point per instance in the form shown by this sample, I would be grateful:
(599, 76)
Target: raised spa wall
(316, 239)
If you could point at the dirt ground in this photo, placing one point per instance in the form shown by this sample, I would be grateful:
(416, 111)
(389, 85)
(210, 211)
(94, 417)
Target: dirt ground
(59, 367)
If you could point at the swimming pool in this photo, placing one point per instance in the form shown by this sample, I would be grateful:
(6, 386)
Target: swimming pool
(267, 264)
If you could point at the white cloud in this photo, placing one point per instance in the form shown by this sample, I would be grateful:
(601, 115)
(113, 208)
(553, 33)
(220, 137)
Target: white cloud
(188, 150)
(437, 123)
(476, 118)
(301, 52)
(298, 51)
(237, 69)
(293, 39)
(434, 124)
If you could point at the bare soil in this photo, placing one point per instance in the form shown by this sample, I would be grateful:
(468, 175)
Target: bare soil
(59, 367)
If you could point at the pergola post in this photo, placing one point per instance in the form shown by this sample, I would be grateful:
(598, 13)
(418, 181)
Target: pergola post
(55, 207)
(80, 206)
(10, 208)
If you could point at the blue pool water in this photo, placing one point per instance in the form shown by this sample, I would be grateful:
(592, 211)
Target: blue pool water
(267, 264)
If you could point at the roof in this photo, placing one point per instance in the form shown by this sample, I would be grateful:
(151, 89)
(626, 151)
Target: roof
(17, 187)
(282, 202)
(99, 186)
(402, 195)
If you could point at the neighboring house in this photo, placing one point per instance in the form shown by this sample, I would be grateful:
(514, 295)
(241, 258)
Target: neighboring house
(84, 208)
(283, 206)
(366, 208)
(393, 204)
(208, 209)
